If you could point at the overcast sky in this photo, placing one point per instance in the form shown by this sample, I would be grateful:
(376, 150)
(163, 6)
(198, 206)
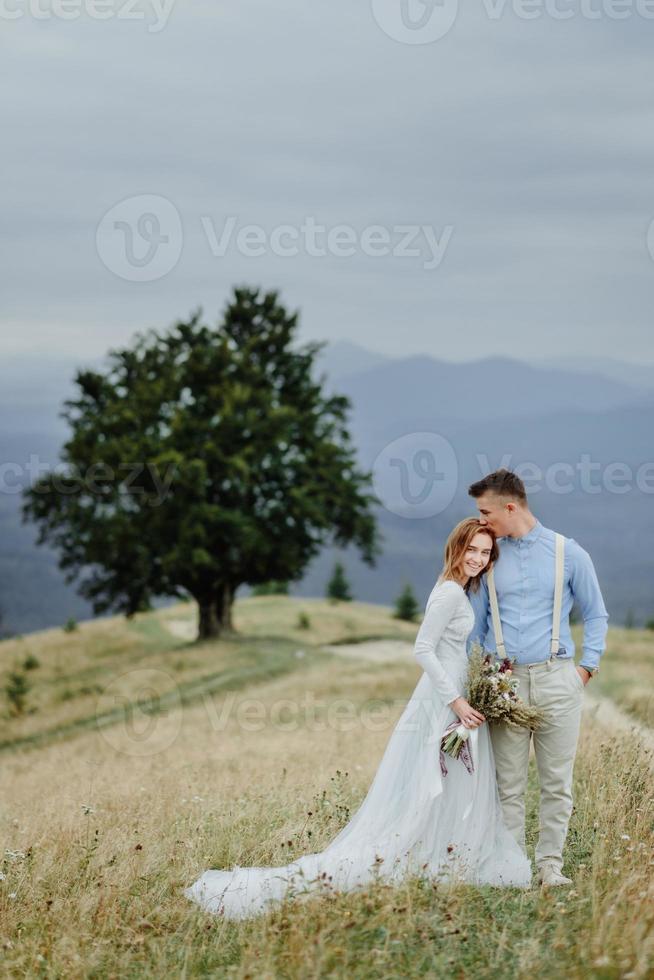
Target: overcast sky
(512, 159)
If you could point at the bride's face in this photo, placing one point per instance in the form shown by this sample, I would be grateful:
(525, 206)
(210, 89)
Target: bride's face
(477, 554)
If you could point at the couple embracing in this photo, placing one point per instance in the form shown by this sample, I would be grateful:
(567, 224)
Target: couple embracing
(509, 584)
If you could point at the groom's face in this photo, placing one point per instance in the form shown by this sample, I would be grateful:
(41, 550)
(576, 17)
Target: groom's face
(495, 512)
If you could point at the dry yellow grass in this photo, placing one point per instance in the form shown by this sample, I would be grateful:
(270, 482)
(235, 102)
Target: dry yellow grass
(87, 672)
(627, 672)
(105, 829)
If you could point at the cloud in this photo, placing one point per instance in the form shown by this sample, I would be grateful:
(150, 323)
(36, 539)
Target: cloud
(530, 138)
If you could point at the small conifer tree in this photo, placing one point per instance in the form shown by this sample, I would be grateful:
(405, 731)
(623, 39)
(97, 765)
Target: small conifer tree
(406, 605)
(338, 589)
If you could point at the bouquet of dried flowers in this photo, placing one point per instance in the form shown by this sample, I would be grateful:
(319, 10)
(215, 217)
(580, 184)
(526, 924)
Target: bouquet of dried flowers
(493, 691)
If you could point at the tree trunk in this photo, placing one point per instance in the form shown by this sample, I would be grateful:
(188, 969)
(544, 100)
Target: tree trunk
(225, 600)
(215, 612)
(208, 620)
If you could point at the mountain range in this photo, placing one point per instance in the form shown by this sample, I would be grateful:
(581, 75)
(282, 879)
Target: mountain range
(585, 426)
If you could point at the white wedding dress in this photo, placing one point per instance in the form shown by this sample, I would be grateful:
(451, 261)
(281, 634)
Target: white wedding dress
(413, 819)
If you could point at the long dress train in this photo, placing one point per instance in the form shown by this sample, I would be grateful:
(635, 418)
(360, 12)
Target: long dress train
(413, 819)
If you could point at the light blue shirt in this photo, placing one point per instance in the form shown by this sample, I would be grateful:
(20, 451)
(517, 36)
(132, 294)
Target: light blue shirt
(524, 580)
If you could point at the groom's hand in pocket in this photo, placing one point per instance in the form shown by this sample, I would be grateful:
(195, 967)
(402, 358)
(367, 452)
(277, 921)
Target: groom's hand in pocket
(585, 676)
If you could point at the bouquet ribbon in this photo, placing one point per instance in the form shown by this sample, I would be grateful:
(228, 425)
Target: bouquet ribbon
(465, 755)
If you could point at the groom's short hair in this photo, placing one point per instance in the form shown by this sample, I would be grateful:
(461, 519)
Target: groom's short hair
(504, 483)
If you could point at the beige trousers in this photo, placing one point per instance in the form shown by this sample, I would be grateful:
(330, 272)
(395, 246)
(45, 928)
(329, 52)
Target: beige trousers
(556, 687)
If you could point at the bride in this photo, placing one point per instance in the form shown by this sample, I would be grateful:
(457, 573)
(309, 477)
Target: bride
(415, 819)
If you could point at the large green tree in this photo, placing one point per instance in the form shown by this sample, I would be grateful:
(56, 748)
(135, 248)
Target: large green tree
(202, 459)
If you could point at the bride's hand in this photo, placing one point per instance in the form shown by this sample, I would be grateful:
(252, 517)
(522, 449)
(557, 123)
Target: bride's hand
(468, 715)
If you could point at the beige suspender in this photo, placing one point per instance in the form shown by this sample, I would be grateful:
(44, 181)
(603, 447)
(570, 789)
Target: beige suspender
(558, 594)
(556, 611)
(495, 615)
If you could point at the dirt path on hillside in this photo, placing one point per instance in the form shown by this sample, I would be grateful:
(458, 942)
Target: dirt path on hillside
(379, 651)
(603, 709)
(183, 629)
(613, 718)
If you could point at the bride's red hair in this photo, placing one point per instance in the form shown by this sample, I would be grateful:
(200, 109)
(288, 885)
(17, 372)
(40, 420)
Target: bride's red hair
(457, 545)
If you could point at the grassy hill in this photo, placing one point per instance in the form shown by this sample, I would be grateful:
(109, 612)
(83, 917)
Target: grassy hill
(79, 680)
(143, 758)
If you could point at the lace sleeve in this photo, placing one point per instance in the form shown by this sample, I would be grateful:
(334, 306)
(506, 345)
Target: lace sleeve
(439, 612)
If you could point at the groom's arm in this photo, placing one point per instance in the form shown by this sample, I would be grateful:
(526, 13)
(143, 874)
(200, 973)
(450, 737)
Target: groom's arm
(480, 604)
(588, 596)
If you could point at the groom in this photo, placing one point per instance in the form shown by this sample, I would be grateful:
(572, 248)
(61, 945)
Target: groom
(524, 579)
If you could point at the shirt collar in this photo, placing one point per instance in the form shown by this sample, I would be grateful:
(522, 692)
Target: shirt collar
(527, 538)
